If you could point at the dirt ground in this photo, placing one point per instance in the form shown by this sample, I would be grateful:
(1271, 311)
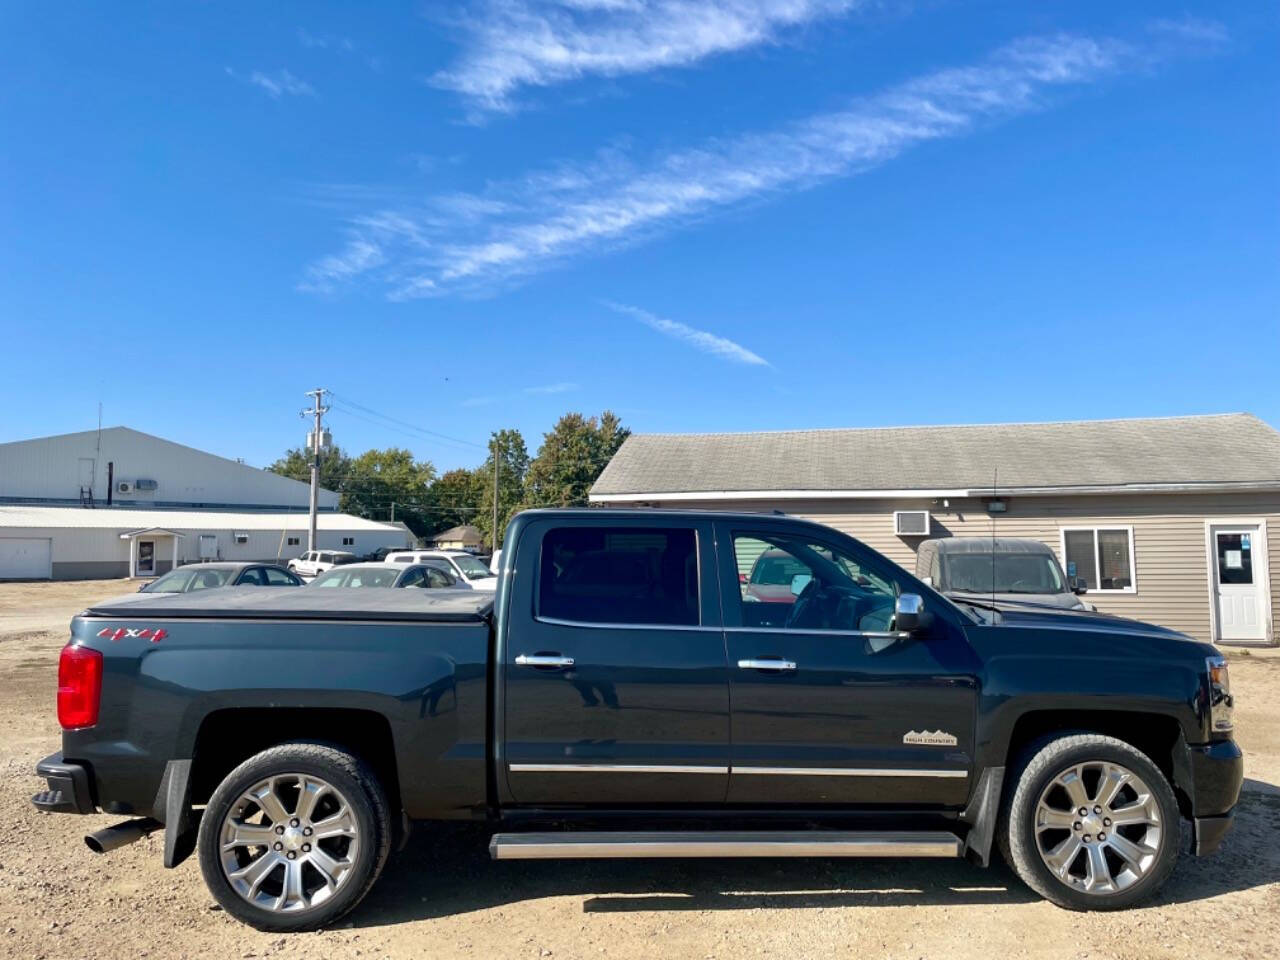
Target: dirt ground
(443, 897)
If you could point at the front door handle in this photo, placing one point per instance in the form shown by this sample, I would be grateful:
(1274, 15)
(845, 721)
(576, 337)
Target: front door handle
(776, 664)
(543, 660)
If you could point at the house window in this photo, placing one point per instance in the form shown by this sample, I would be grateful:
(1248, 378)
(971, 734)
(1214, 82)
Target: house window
(1100, 557)
(348, 541)
(295, 541)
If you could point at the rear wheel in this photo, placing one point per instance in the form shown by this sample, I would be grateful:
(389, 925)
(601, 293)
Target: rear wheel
(294, 837)
(1092, 823)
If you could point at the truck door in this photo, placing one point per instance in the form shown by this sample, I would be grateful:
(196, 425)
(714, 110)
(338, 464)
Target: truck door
(829, 707)
(615, 681)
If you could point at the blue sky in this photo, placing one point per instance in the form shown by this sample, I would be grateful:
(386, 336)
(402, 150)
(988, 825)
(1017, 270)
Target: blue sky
(724, 215)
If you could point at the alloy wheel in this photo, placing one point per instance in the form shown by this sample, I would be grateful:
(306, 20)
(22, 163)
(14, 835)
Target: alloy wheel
(1098, 827)
(289, 842)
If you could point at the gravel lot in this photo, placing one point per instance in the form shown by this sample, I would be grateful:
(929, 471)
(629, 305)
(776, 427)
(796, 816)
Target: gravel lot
(443, 897)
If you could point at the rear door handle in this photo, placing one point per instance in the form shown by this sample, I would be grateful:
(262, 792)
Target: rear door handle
(776, 664)
(543, 660)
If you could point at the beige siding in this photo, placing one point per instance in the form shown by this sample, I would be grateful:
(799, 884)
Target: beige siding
(1170, 556)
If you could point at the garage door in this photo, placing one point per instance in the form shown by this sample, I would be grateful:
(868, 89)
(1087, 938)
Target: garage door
(26, 558)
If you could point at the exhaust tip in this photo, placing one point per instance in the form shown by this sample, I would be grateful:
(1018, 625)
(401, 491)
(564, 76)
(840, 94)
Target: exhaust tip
(93, 843)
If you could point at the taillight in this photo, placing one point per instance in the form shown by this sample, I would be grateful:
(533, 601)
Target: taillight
(79, 687)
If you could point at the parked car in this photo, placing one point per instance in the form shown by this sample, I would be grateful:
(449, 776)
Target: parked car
(1007, 569)
(465, 566)
(379, 555)
(292, 735)
(318, 561)
(387, 575)
(205, 576)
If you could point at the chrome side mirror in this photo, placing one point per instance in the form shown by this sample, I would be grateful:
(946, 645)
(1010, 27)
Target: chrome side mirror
(908, 613)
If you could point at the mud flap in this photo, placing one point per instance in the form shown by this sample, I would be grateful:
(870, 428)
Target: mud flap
(982, 814)
(173, 807)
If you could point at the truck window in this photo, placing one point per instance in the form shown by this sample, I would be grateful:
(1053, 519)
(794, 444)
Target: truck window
(637, 575)
(792, 584)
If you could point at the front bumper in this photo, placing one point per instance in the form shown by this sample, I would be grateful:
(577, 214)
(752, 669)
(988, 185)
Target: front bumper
(1217, 773)
(69, 786)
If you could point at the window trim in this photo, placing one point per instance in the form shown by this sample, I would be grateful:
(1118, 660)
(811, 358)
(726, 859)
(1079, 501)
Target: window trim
(539, 617)
(1094, 528)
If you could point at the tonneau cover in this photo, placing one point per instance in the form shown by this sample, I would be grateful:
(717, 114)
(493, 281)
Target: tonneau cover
(304, 603)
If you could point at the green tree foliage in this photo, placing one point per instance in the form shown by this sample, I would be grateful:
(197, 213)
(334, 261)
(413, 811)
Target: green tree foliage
(513, 465)
(571, 457)
(296, 465)
(455, 498)
(378, 479)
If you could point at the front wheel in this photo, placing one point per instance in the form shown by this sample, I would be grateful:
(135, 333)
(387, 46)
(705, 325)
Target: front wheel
(1091, 824)
(294, 837)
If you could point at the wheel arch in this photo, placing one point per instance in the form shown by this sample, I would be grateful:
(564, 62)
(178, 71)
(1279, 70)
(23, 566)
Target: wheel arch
(230, 736)
(1159, 736)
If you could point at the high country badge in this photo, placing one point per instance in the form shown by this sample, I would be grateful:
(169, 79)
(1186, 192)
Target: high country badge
(927, 738)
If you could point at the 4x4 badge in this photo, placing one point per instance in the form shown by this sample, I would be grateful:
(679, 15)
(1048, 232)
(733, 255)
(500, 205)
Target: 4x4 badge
(936, 738)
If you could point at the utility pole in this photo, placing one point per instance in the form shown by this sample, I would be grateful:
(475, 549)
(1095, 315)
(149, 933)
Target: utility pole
(495, 495)
(317, 441)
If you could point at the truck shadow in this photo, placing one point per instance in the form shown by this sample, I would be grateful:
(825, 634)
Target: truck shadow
(446, 870)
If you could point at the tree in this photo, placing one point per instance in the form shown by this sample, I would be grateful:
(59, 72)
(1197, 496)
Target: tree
(455, 498)
(513, 465)
(389, 484)
(571, 457)
(296, 465)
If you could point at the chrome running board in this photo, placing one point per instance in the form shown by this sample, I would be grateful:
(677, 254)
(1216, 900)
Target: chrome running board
(754, 843)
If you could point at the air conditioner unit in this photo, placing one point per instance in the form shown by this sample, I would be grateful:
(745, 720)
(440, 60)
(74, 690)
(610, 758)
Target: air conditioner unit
(144, 484)
(124, 486)
(911, 523)
(240, 537)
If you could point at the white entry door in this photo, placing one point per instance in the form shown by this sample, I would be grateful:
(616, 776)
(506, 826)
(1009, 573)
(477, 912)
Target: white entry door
(1238, 582)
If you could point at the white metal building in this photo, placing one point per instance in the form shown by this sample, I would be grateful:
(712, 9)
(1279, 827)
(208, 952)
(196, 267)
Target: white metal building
(119, 503)
(117, 466)
(71, 543)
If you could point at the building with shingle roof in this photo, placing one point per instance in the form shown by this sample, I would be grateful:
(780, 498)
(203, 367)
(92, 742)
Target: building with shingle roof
(1165, 519)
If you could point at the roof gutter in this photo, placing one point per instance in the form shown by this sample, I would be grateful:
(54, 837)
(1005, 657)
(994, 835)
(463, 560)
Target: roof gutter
(934, 494)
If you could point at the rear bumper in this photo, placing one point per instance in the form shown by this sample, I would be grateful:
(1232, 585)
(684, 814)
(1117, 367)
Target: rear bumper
(69, 786)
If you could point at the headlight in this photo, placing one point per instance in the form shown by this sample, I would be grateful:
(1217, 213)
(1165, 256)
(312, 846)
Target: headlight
(1220, 700)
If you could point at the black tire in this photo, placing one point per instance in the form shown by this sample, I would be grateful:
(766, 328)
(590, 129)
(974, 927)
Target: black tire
(1017, 838)
(366, 799)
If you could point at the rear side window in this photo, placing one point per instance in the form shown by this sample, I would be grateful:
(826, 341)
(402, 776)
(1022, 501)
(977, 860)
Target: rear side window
(641, 575)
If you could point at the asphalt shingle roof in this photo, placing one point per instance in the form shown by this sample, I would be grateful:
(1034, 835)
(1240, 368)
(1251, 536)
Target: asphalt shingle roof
(1237, 449)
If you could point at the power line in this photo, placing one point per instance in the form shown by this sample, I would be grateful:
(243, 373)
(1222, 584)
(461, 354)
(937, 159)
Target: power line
(347, 402)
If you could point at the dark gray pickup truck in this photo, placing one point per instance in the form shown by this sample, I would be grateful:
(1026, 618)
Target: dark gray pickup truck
(626, 694)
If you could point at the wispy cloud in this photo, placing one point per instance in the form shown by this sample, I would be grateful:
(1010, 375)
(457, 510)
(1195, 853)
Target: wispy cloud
(541, 390)
(471, 241)
(276, 84)
(711, 343)
(514, 44)
(314, 42)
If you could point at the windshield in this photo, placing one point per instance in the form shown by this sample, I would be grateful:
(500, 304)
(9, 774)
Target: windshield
(471, 568)
(359, 577)
(776, 568)
(1013, 573)
(174, 582)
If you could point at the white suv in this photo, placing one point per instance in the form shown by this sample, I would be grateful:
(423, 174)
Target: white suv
(318, 561)
(465, 566)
